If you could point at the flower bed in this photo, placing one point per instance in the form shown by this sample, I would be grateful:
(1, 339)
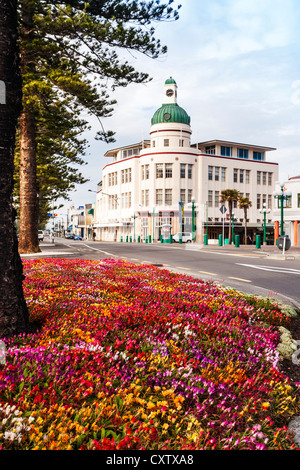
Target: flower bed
(134, 357)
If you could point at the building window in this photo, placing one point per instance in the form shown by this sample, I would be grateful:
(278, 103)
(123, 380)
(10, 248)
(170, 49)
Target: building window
(210, 198)
(182, 195)
(126, 176)
(258, 155)
(153, 143)
(168, 170)
(270, 177)
(182, 170)
(159, 170)
(210, 149)
(242, 153)
(159, 197)
(166, 142)
(168, 197)
(217, 173)
(247, 177)
(264, 178)
(145, 172)
(298, 197)
(217, 198)
(190, 171)
(189, 195)
(125, 200)
(258, 201)
(241, 176)
(259, 177)
(145, 197)
(235, 175)
(226, 151)
(181, 142)
(210, 173)
(223, 174)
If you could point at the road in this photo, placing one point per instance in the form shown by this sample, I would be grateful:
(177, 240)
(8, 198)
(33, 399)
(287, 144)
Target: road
(251, 271)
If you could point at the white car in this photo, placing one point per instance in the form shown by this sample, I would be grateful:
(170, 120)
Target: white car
(41, 235)
(186, 237)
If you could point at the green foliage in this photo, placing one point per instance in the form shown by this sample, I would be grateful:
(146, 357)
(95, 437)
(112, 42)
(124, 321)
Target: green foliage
(70, 55)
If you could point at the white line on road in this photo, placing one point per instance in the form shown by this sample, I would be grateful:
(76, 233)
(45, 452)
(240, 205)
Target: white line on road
(101, 251)
(274, 269)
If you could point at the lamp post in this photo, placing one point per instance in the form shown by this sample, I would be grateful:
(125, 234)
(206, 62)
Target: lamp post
(282, 196)
(134, 217)
(193, 220)
(265, 211)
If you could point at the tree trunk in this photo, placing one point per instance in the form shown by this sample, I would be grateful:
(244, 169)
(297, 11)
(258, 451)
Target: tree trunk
(28, 233)
(28, 236)
(245, 217)
(13, 310)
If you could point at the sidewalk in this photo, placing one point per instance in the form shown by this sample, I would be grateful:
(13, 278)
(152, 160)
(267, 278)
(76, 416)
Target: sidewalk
(271, 251)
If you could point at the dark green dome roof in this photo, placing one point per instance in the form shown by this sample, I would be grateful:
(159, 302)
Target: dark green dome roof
(170, 81)
(170, 113)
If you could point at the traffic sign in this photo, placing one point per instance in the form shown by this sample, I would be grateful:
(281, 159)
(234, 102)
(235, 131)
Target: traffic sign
(223, 209)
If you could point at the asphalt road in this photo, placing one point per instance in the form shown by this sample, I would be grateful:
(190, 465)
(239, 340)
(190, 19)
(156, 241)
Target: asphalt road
(247, 270)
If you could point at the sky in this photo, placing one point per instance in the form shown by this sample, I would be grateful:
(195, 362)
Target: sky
(236, 65)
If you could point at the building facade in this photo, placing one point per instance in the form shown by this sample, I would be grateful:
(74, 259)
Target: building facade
(291, 211)
(150, 185)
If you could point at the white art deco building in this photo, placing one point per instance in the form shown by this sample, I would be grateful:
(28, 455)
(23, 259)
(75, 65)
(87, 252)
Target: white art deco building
(145, 185)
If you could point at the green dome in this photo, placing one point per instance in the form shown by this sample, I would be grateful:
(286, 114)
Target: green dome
(170, 113)
(170, 81)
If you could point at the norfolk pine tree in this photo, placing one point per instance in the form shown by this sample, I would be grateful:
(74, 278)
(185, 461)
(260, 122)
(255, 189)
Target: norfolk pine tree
(73, 47)
(13, 310)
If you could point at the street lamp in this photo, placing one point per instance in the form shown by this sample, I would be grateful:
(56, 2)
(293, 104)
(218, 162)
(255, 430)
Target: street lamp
(282, 196)
(193, 220)
(265, 211)
(134, 217)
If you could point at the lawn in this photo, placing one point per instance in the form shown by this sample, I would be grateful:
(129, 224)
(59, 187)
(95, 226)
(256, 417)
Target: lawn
(136, 357)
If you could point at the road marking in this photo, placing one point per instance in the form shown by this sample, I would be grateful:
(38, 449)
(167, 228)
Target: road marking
(274, 269)
(180, 267)
(239, 279)
(96, 249)
(134, 259)
(205, 272)
(252, 254)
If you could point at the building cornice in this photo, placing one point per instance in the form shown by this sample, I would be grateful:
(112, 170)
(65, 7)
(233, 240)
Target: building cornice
(208, 155)
(149, 154)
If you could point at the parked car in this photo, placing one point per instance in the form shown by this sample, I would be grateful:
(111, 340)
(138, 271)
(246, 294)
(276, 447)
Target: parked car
(77, 237)
(69, 235)
(41, 235)
(186, 237)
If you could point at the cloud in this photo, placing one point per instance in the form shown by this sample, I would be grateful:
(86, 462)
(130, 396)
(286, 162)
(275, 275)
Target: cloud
(237, 68)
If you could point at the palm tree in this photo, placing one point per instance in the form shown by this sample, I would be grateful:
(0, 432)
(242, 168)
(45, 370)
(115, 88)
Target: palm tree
(230, 196)
(245, 203)
(13, 310)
